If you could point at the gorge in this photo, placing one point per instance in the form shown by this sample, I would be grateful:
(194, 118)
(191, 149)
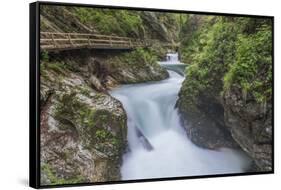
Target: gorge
(200, 106)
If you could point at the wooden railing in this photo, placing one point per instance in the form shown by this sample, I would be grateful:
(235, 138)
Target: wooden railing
(62, 41)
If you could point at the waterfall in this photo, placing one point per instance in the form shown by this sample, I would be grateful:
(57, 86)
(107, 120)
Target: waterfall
(158, 144)
(172, 63)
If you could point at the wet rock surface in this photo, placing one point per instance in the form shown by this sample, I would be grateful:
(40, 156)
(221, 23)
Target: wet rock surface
(231, 121)
(83, 128)
(204, 123)
(250, 124)
(83, 132)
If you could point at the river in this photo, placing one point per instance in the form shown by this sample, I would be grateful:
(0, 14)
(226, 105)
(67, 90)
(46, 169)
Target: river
(158, 144)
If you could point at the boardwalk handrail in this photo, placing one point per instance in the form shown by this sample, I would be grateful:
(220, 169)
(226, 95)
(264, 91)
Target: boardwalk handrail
(83, 34)
(62, 41)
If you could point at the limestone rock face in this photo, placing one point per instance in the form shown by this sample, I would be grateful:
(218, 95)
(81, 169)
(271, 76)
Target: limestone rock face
(204, 122)
(250, 124)
(159, 26)
(233, 121)
(96, 83)
(113, 71)
(83, 132)
(139, 73)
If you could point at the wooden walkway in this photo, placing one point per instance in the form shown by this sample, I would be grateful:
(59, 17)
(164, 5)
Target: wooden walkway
(53, 41)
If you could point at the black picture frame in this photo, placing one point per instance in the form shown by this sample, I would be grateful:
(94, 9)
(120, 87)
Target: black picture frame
(34, 93)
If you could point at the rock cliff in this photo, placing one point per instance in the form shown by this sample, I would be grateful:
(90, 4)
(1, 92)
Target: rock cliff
(83, 132)
(226, 98)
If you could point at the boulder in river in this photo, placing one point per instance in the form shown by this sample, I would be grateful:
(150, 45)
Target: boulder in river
(144, 141)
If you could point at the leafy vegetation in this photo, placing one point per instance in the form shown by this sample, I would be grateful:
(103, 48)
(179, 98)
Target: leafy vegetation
(106, 21)
(44, 56)
(58, 67)
(194, 35)
(230, 52)
(136, 66)
(252, 69)
(140, 55)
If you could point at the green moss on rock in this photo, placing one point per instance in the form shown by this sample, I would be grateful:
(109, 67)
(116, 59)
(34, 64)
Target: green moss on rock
(51, 178)
(136, 67)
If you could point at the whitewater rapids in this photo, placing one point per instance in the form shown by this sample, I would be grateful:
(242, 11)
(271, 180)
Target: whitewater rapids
(151, 112)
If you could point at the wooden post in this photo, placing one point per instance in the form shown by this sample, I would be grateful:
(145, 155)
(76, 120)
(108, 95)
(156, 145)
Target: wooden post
(110, 41)
(70, 42)
(53, 40)
(89, 41)
(131, 45)
(93, 43)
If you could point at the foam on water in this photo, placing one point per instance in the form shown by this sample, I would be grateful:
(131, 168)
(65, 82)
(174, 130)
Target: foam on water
(150, 108)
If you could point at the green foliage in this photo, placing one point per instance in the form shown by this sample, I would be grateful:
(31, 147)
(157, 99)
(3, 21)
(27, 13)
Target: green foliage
(140, 55)
(230, 52)
(44, 56)
(252, 70)
(194, 35)
(101, 134)
(51, 175)
(209, 66)
(55, 66)
(137, 60)
(106, 21)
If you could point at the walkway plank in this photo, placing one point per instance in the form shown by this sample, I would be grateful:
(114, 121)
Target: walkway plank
(54, 41)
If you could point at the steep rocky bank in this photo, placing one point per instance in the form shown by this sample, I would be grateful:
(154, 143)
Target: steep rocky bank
(230, 122)
(83, 133)
(225, 100)
(204, 121)
(83, 128)
(250, 124)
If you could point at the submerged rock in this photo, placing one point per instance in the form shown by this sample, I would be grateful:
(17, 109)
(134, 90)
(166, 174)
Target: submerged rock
(144, 141)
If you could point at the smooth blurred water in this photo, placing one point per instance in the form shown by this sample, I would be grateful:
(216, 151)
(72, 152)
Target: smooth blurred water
(150, 109)
(173, 63)
(172, 57)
